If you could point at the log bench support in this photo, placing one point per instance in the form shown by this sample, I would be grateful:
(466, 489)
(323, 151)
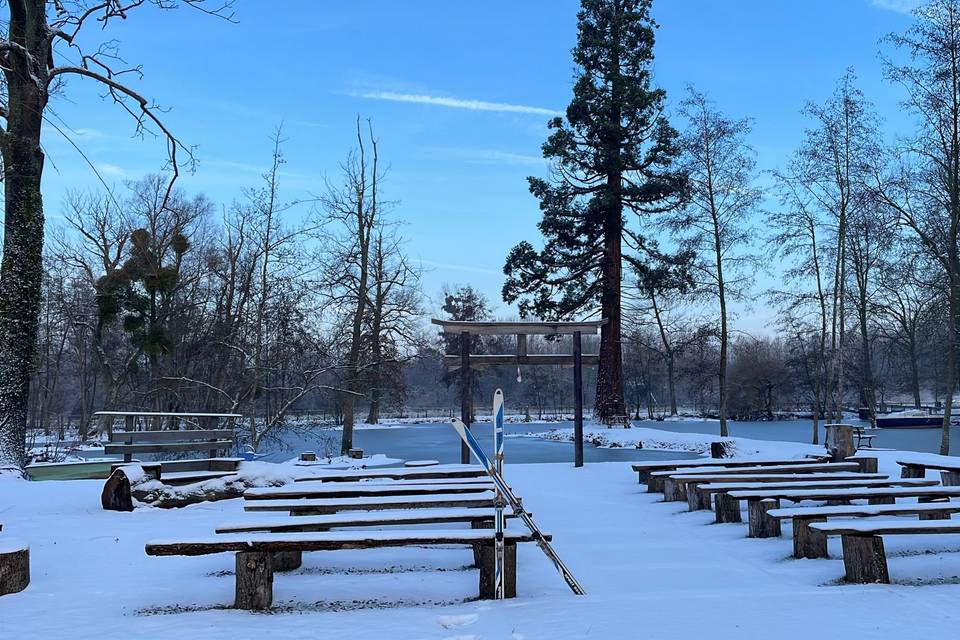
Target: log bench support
(488, 571)
(864, 559)
(950, 478)
(727, 508)
(807, 542)
(912, 471)
(760, 524)
(287, 560)
(673, 491)
(254, 581)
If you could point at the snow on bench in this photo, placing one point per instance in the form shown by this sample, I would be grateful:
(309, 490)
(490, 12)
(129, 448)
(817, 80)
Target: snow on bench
(645, 468)
(322, 523)
(358, 489)
(321, 506)
(678, 488)
(441, 471)
(255, 554)
(760, 501)
(864, 558)
(917, 464)
(808, 543)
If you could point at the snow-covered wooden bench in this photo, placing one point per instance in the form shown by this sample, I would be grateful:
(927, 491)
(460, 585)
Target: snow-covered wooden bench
(760, 501)
(687, 487)
(864, 558)
(295, 524)
(644, 469)
(664, 479)
(949, 469)
(254, 554)
(358, 489)
(326, 506)
(727, 507)
(808, 543)
(438, 472)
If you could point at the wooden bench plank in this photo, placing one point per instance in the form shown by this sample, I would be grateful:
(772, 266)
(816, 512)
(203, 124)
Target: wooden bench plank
(645, 468)
(361, 519)
(445, 471)
(333, 505)
(689, 488)
(353, 490)
(168, 447)
(796, 495)
(170, 435)
(887, 527)
(784, 468)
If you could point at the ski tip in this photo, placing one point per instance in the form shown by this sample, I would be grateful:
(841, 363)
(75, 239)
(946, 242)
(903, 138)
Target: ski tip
(498, 392)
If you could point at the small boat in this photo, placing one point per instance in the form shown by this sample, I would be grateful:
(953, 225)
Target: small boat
(909, 420)
(95, 469)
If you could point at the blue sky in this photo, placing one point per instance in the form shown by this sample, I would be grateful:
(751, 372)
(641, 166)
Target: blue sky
(459, 94)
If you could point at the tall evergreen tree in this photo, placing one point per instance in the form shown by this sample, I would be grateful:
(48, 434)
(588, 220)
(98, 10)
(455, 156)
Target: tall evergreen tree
(613, 155)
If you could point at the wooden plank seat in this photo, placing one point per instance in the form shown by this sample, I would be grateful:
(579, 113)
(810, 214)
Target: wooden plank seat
(361, 519)
(809, 543)
(255, 553)
(644, 469)
(948, 468)
(662, 478)
(183, 472)
(179, 440)
(442, 471)
(358, 489)
(679, 487)
(727, 508)
(322, 506)
(760, 501)
(864, 558)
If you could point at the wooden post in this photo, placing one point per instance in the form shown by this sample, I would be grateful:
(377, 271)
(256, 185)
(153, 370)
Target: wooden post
(287, 560)
(128, 427)
(578, 400)
(465, 392)
(867, 465)
(807, 542)
(761, 525)
(864, 559)
(254, 580)
(671, 490)
(950, 478)
(488, 570)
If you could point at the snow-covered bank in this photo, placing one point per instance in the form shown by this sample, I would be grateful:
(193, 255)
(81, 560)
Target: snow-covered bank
(646, 438)
(650, 569)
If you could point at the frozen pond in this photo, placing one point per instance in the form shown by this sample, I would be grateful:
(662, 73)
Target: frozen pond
(439, 442)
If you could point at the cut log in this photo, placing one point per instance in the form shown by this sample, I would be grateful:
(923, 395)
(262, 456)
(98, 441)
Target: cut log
(864, 559)
(673, 491)
(655, 484)
(760, 524)
(912, 471)
(14, 567)
(839, 441)
(807, 542)
(116, 495)
(867, 465)
(721, 449)
(950, 478)
(488, 571)
(727, 508)
(254, 581)
(287, 560)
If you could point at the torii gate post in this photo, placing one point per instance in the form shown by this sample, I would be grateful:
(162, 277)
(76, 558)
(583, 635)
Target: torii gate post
(466, 363)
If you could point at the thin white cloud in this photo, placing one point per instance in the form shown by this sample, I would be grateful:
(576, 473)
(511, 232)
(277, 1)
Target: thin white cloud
(112, 170)
(484, 156)
(900, 6)
(457, 103)
(446, 266)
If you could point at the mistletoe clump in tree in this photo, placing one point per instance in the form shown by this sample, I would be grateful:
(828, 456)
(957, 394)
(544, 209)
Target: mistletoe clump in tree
(613, 155)
(141, 292)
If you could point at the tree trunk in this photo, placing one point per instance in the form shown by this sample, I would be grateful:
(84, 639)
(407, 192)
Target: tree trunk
(609, 405)
(672, 382)
(21, 270)
(914, 374)
(952, 345)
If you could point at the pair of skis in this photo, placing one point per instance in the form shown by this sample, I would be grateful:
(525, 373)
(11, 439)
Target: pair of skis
(504, 493)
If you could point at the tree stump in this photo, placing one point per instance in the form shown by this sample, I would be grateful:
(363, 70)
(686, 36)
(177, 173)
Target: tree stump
(644, 476)
(697, 500)
(727, 508)
(950, 478)
(721, 449)
(673, 491)
(867, 465)
(655, 484)
(864, 559)
(488, 571)
(254, 581)
(116, 494)
(760, 524)
(912, 471)
(287, 560)
(807, 542)
(839, 441)
(14, 567)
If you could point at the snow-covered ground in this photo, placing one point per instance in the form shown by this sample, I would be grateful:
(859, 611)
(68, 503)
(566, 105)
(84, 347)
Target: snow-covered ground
(651, 570)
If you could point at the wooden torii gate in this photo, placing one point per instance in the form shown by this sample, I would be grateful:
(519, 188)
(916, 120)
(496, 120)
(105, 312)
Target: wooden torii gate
(467, 362)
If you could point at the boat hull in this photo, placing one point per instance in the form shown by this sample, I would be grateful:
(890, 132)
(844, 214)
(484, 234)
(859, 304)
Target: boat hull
(909, 422)
(86, 470)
